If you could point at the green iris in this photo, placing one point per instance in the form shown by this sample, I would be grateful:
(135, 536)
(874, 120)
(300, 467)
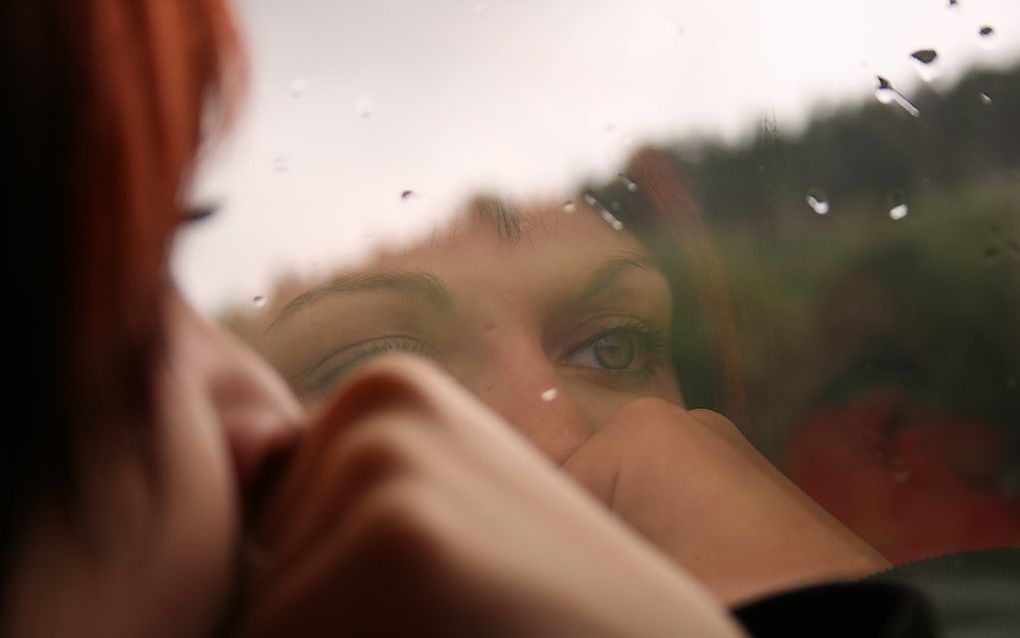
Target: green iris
(614, 351)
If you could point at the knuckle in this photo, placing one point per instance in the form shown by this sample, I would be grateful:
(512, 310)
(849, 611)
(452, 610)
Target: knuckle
(386, 442)
(400, 518)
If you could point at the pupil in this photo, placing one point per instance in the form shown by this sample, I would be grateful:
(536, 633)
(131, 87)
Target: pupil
(614, 351)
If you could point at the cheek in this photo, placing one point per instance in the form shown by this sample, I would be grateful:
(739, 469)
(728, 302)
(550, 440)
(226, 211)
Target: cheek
(200, 527)
(598, 404)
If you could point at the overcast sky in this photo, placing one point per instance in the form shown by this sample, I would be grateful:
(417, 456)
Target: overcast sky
(353, 102)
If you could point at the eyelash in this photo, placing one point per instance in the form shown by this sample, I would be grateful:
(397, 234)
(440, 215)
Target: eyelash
(199, 212)
(653, 343)
(367, 350)
(652, 348)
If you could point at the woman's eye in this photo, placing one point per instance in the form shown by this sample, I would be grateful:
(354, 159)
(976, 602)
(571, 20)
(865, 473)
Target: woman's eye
(346, 359)
(623, 349)
(615, 350)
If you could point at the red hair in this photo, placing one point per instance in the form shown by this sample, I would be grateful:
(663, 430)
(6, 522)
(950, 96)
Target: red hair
(107, 104)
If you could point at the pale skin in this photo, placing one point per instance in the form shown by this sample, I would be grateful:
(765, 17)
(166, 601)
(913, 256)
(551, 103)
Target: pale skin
(509, 319)
(412, 510)
(430, 497)
(407, 494)
(516, 322)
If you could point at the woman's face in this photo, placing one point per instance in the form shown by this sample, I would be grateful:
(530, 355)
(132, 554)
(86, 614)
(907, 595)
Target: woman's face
(156, 551)
(555, 329)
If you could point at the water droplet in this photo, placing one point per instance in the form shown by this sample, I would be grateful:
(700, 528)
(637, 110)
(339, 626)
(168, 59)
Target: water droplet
(817, 200)
(364, 106)
(407, 194)
(550, 394)
(986, 31)
(628, 182)
(899, 211)
(259, 300)
(281, 164)
(926, 62)
(985, 99)
(886, 93)
(611, 220)
(568, 206)
(298, 87)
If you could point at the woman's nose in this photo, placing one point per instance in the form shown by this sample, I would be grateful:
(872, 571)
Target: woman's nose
(519, 381)
(256, 412)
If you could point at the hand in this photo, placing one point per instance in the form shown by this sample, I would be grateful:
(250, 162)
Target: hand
(697, 489)
(411, 509)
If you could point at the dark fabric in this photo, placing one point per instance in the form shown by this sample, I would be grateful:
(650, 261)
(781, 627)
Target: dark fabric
(974, 594)
(964, 595)
(841, 610)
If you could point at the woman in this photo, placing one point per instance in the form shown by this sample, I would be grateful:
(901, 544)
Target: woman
(405, 508)
(122, 512)
(562, 321)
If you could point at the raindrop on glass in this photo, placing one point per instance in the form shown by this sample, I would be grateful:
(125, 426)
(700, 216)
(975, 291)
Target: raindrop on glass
(628, 182)
(550, 394)
(926, 61)
(817, 200)
(568, 206)
(899, 211)
(364, 106)
(887, 94)
(405, 195)
(884, 92)
(281, 164)
(611, 220)
(985, 99)
(259, 300)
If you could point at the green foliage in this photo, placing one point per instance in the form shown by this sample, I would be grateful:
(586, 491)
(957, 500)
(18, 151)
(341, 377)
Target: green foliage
(835, 305)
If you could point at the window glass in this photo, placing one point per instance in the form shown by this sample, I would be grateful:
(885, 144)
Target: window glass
(803, 215)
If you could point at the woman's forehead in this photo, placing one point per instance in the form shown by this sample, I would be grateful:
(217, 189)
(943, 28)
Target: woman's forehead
(503, 231)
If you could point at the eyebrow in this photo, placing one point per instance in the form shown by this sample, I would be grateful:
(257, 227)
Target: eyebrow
(611, 270)
(418, 282)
